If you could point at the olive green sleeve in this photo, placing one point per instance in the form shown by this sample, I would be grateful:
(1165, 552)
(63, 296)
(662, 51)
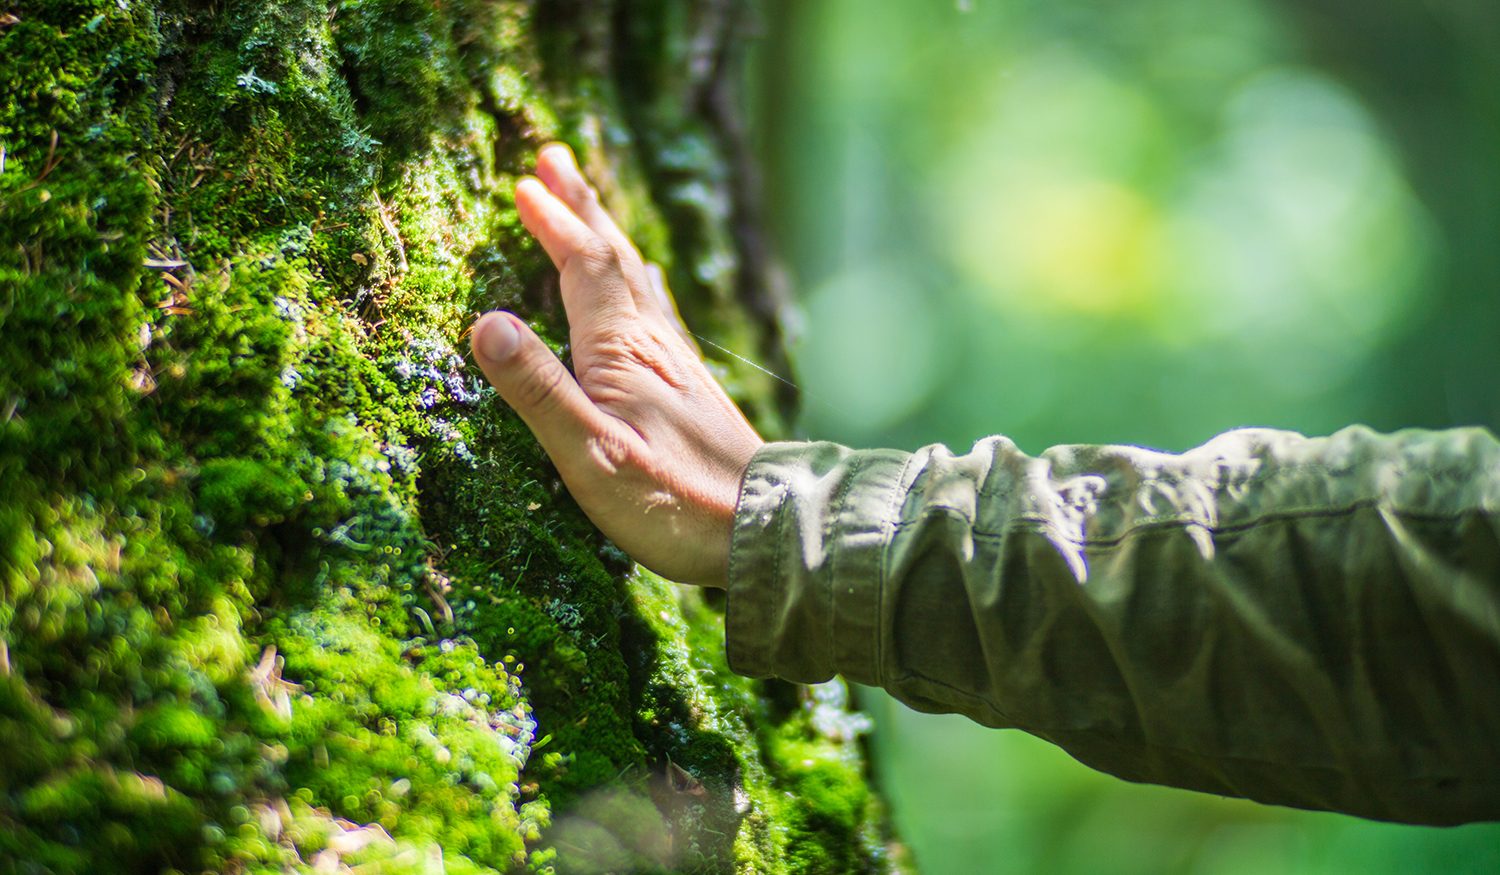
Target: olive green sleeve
(1311, 622)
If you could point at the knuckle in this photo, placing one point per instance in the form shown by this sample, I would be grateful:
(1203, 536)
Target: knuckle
(613, 343)
(598, 258)
(612, 452)
(544, 391)
(639, 360)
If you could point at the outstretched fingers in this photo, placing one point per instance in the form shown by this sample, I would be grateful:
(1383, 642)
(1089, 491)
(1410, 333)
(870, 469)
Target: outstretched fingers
(593, 282)
(557, 167)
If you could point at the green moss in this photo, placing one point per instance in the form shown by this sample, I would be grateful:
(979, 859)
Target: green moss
(279, 576)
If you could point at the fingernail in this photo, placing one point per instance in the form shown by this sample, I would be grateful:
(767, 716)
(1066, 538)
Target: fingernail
(564, 150)
(529, 182)
(497, 337)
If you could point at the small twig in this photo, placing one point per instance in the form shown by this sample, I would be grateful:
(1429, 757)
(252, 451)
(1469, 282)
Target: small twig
(52, 159)
(390, 227)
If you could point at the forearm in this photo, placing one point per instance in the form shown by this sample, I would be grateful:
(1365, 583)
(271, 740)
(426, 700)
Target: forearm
(1311, 622)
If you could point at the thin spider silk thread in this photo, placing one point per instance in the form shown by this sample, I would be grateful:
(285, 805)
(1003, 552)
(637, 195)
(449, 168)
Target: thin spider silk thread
(779, 378)
(729, 352)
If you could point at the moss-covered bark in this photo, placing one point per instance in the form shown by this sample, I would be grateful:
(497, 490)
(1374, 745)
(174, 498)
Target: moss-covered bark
(284, 585)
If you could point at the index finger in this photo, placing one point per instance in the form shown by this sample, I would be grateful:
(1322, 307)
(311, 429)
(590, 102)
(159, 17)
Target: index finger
(557, 168)
(593, 281)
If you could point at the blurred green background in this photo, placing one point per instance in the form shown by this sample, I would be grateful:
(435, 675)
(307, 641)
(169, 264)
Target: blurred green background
(1139, 222)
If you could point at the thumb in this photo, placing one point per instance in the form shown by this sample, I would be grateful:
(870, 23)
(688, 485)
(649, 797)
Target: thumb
(533, 382)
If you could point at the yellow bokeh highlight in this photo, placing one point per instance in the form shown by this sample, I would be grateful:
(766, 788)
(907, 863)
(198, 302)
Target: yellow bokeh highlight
(1073, 245)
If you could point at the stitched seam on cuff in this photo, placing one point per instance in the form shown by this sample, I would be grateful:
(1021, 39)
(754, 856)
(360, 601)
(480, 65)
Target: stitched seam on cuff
(890, 525)
(778, 586)
(760, 659)
(834, 550)
(1033, 522)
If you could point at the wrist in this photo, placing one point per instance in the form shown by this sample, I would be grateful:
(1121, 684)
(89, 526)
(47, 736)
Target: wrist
(723, 525)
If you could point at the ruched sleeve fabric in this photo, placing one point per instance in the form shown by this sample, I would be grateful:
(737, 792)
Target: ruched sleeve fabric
(1311, 622)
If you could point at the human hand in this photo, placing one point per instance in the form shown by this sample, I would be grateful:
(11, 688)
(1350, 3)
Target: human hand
(647, 442)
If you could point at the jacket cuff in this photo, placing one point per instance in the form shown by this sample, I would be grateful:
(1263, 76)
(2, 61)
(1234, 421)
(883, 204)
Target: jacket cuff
(806, 561)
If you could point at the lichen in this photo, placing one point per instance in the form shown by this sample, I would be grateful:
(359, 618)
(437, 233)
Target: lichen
(283, 584)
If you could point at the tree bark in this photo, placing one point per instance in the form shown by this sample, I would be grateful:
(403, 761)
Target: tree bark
(283, 585)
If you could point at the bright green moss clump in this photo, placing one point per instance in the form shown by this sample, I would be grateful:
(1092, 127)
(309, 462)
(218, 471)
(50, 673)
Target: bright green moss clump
(283, 585)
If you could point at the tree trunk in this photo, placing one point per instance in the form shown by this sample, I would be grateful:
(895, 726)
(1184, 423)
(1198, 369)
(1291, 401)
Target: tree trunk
(285, 586)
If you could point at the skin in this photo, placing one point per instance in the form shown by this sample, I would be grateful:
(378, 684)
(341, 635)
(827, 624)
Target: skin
(643, 436)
